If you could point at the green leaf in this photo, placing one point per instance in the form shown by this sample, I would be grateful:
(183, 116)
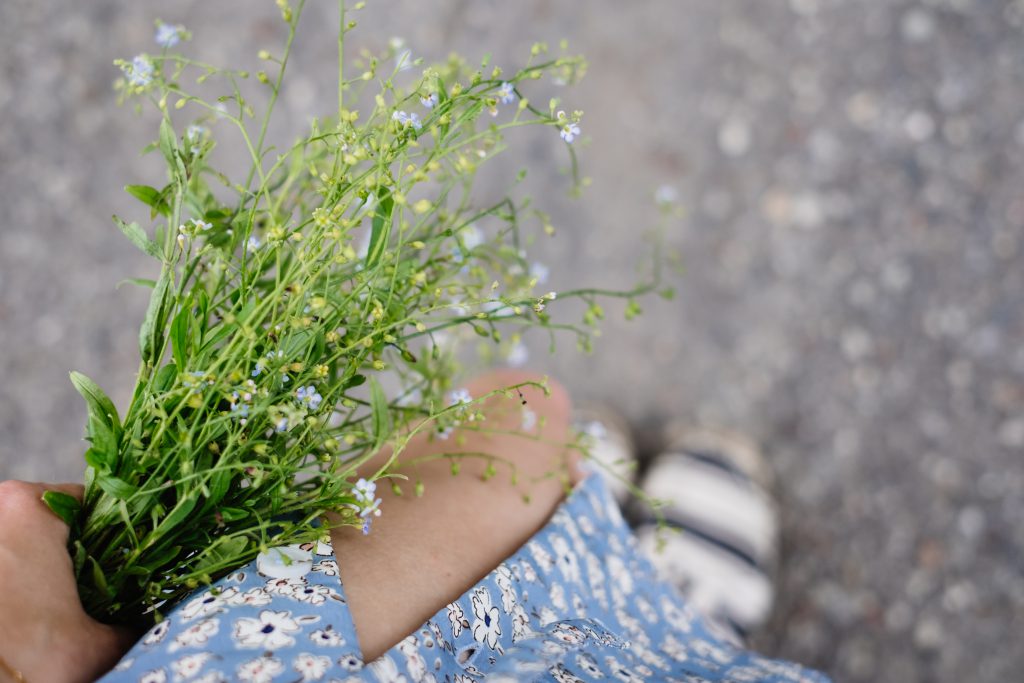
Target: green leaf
(224, 552)
(151, 197)
(168, 142)
(233, 514)
(165, 377)
(99, 404)
(137, 236)
(220, 482)
(103, 438)
(150, 342)
(381, 228)
(64, 506)
(380, 413)
(144, 193)
(99, 580)
(175, 517)
(179, 336)
(118, 488)
(97, 460)
(140, 281)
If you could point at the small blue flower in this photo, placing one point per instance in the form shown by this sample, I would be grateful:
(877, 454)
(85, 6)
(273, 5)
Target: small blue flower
(371, 509)
(167, 35)
(309, 396)
(460, 397)
(430, 101)
(406, 119)
(200, 224)
(569, 131)
(282, 425)
(253, 244)
(139, 72)
(506, 93)
(364, 490)
(540, 271)
(257, 369)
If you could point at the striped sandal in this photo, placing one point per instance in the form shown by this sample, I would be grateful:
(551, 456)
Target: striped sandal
(721, 547)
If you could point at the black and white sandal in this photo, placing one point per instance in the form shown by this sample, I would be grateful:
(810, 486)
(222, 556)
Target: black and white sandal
(721, 547)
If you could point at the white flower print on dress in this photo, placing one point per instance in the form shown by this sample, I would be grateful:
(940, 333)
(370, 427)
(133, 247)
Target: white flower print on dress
(647, 611)
(315, 594)
(586, 525)
(708, 650)
(678, 618)
(541, 556)
(386, 670)
(312, 667)
(350, 663)
(414, 662)
(567, 633)
(621, 672)
(673, 648)
(648, 656)
(620, 574)
(566, 558)
(189, 665)
(157, 633)
(503, 577)
(529, 573)
(589, 665)
(155, 676)
(563, 675)
(211, 677)
(327, 637)
(546, 616)
(326, 567)
(303, 591)
(197, 635)
(271, 630)
(520, 624)
(457, 618)
(260, 670)
(125, 664)
(210, 602)
(579, 606)
(486, 627)
(557, 596)
(254, 597)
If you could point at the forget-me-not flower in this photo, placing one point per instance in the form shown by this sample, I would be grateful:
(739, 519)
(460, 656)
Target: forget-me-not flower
(139, 72)
(407, 119)
(506, 93)
(309, 396)
(167, 35)
(430, 101)
(570, 131)
(460, 397)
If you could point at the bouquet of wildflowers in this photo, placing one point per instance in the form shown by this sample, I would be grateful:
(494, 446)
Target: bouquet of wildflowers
(302, 316)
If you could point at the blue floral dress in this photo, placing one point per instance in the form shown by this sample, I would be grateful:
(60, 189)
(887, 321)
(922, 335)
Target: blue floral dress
(576, 603)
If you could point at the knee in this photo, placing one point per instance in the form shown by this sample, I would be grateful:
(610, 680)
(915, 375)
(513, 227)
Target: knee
(546, 397)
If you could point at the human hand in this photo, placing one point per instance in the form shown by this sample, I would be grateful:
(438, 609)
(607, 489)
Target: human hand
(44, 632)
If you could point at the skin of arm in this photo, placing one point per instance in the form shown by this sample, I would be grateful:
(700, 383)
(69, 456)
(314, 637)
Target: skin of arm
(44, 632)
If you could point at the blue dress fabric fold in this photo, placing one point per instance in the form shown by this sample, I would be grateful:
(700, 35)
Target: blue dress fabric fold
(577, 602)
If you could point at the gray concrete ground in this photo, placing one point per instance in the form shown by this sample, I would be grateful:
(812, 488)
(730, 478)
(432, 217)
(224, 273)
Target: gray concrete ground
(852, 173)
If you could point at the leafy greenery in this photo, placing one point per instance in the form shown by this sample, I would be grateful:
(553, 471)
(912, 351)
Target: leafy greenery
(288, 303)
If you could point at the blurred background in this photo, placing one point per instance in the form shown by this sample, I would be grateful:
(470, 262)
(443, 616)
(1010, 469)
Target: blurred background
(851, 174)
